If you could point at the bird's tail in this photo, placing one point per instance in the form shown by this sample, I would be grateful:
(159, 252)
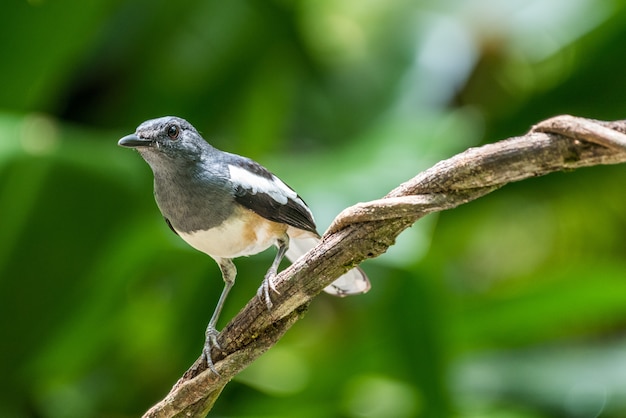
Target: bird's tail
(353, 282)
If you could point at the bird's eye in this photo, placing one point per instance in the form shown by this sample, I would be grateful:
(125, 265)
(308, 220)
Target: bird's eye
(173, 131)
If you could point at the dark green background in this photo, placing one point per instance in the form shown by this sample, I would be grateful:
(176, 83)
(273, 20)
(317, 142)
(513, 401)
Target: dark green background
(513, 306)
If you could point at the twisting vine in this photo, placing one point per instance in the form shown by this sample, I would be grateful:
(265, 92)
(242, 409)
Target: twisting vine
(366, 230)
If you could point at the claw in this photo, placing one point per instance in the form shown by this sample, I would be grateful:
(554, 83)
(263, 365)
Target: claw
(209, 343)
(268, 283)
(264, 291)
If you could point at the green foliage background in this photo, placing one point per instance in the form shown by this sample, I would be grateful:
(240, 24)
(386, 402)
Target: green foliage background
(511, 306)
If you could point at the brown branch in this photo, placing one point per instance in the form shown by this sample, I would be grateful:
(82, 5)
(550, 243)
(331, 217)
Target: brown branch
(366, 230)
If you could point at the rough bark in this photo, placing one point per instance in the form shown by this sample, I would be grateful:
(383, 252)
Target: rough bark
(366, 230)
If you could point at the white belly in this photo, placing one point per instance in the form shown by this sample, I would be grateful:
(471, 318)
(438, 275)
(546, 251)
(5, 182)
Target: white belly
(246, 235)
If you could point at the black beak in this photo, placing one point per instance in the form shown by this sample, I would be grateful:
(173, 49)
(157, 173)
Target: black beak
(133, 141)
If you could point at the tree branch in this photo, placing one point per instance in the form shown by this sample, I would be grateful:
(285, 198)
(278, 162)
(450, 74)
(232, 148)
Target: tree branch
(366, 230)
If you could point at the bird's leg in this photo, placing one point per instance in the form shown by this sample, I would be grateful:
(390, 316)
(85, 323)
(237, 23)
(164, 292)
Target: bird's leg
(229, 272)
(268, 282)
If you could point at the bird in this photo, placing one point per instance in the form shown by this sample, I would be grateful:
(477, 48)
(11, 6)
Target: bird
(227, 206)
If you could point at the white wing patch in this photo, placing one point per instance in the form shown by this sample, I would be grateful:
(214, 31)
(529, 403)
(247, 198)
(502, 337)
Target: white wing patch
(273, 187)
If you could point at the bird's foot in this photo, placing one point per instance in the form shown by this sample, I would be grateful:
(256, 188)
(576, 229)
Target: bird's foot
(264, 291)
(209, 343)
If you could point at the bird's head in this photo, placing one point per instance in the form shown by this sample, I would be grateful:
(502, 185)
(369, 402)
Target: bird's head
(166, 139)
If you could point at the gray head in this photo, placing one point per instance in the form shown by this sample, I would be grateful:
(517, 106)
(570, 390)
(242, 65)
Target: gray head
(187, 173)
(167, 140)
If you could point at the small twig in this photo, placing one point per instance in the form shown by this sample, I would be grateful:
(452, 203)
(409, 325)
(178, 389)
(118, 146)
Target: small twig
(399, 207)
(366, 230)
(584, 130)
(384, 209)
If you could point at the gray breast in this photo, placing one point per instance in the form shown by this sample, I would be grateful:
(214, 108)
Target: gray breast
(195, 200)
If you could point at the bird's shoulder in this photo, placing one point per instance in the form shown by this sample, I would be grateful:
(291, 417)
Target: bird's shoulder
(261, 191)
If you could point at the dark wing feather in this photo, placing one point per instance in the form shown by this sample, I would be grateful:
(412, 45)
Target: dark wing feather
(167, 221)
(294, 212)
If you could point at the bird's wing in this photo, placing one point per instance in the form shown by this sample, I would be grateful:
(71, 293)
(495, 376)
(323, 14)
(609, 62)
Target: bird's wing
(265, 194)
(167, 221)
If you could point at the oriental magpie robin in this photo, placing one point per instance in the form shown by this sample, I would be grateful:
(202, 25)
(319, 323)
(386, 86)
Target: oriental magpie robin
(227, 206)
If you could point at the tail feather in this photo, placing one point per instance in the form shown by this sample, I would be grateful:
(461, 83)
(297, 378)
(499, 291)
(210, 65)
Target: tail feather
(353, 282)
